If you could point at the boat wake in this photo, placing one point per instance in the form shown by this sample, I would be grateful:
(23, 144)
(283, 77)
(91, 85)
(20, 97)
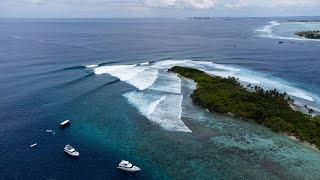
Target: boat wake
(158, 94)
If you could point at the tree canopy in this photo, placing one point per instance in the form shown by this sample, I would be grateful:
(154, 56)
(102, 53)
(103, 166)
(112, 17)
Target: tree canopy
(270, 108)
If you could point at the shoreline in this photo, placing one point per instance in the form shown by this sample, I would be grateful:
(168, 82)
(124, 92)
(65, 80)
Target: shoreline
(278, 123)
(304, 143)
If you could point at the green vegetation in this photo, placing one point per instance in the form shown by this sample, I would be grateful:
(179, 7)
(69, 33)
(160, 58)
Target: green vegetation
(309, 34)
(270, 108)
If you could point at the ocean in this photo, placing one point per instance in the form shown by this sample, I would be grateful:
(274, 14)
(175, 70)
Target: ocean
(108, 76)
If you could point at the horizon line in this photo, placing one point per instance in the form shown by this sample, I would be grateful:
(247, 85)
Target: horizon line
(157, 17)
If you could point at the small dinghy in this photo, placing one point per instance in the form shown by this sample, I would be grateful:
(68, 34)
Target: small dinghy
(127, 166)
(71, 151)
(50, 131)
(33, 145)
(64, 124)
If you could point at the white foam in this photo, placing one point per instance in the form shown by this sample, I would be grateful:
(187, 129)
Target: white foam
(168, 114)
(144, 79)
(169, 63)
(190, 63)
(224, 67)
(116, 70)
(243, 78)
(167, 82)
(154, 105)
(265, 82)
(314, 108)
(163, 110)
(282, 86)
(144, 63)
(166, 64)
(268, 29)
(92, 66)
(224, 74)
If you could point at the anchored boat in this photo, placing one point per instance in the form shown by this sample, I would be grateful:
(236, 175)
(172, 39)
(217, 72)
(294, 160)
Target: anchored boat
(71, 151)
(64, 124)
(127, 166)
(33, 145)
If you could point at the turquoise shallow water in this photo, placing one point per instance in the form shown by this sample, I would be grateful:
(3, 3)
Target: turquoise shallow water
(136, 112)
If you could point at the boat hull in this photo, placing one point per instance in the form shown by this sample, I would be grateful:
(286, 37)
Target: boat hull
(64, 124)
(33, 145)
(133, 169)
(76, 154)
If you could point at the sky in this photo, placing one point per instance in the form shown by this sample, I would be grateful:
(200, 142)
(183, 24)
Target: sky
(156, 8)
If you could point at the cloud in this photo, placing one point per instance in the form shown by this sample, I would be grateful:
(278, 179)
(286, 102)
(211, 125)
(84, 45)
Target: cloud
(273, 3)
(160, 3)
(178, 4)
(287, 3)
(239, 4)
(201, 4)
(156, 8)
(210, 4)
(181, 4)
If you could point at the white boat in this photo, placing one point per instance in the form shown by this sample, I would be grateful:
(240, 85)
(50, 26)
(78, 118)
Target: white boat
(71, 151)
(127, 166)
(33, 145)
(50, 131)
(65, 123)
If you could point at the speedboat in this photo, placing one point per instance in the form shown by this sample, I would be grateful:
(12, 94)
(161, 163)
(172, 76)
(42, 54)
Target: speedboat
(127, 166)
(64, 123)
(71, 151)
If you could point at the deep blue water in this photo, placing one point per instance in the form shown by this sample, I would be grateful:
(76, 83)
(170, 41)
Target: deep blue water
(44, 80)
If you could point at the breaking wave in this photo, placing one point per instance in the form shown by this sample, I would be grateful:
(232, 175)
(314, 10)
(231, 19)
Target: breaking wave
(163, 110)
(144, 63)
(268, 29)
(167, 82)
(139, 77)
(92, 66)
(153, 105)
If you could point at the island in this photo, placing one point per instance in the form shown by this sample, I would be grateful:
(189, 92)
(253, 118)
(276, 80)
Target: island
(305, 20)
(199, 18)
(309, 34)
(269, 108)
